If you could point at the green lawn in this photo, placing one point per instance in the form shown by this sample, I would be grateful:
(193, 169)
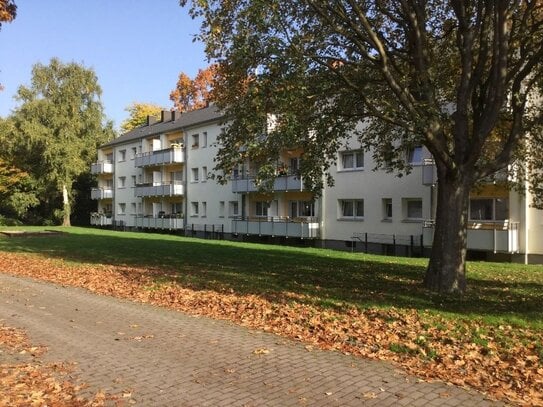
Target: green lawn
(499, 293)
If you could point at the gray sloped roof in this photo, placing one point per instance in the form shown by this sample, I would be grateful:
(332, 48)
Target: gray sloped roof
(184, 121)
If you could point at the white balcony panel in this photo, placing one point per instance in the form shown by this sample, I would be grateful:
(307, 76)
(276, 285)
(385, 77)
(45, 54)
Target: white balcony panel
(145, 222)
(101, 193)
(103, 167)
(101, 220)
(174, 155)
(491, 236)
(304, 230)
(159, 190)
(286, 183)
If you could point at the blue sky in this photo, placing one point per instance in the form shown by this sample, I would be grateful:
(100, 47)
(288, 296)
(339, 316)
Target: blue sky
(137, 48)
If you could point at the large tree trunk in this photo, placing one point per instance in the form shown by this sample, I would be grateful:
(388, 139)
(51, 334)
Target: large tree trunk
(446, 271)
(66, 207)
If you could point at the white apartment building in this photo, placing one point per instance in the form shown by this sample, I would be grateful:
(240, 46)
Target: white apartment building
(156, 177)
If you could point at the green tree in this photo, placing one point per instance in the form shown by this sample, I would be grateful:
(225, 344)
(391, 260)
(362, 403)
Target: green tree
(57, 128)
(137, 115)
(454, 76)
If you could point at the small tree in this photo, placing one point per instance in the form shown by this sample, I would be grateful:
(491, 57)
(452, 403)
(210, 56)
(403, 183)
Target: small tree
(454, 76)
(57, 127)
(137, 115)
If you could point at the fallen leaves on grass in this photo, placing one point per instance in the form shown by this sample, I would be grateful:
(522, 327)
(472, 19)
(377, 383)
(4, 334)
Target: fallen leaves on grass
(503, 361)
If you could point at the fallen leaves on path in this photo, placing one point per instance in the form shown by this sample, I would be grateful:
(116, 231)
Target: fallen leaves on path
(505, 362)
(26, 381)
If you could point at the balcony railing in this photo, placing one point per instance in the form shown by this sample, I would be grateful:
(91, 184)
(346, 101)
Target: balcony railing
(168, 223)
(496, 236)
(304, 228)
(102, 167)
(102, 193)
(281, 183)
(167, 156)
(100, 219)
(175, 188)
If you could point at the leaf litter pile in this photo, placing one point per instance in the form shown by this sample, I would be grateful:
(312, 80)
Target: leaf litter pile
(504, 362)
(26, 381)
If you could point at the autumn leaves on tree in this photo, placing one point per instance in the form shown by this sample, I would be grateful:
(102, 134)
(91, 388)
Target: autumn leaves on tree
(190, 94)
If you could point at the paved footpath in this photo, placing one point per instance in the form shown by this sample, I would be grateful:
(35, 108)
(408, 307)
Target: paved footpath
(167, 358)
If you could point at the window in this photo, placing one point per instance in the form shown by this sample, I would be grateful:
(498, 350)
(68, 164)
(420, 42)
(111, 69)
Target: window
(262, 208)
(134, 152)
(133, 180)
(121, 209)
(413, 208)
(294, 166)
(233, 208)
(221, 209)
(109, 157)
(122, 182)
(302, 209)
(351, 208)
(194, 177)
(414, 155)
(203, 212)
(195, 138)
(194, 209)
(122, 155)
(204, 174)
(133, 208)
(352, 160)
(204, 139)
(177, 208)
(489, 209)
(387, 208)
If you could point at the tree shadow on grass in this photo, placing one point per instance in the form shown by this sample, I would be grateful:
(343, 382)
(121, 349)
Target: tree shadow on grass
(318, 276)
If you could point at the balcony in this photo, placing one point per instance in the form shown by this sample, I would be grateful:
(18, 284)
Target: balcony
(100, 219)
(166, 223)
(303, 228)
(173, 155)
(102, 167)
(281, 183)
(102, 193)
(175, 188)
(495, 236)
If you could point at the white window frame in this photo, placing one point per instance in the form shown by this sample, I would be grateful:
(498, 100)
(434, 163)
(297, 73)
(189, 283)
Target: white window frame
(387, 204)
(195, 141)
(342, 204)
(194, 209)
(356, 165)
(414, 155)
(493, 202)
(122, 182)
(407, 217)
(203, 211)
(194, 174)
(122, 155)
(204, 174)
(204, 139)
(262, 209)
(233, 208)
(121, 208)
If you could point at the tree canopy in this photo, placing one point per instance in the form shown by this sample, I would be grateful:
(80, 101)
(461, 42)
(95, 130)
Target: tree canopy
(55, 130)
(455, 76)
(8, 11)
(190, 94)
(137, 115)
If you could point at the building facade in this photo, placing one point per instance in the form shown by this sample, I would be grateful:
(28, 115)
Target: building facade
(157, 177)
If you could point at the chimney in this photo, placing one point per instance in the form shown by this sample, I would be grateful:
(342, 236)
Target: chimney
(151, 120)
(166, 116)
